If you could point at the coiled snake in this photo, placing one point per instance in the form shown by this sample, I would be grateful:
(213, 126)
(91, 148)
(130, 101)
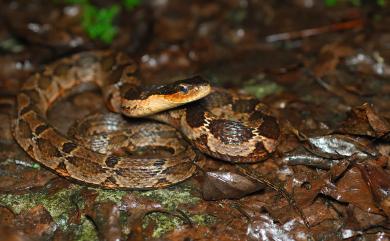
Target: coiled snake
(221, 124)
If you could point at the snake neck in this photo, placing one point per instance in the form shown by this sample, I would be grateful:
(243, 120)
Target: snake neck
(171, 117)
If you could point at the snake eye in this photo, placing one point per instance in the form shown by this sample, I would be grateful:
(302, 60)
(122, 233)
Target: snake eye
(184, 89)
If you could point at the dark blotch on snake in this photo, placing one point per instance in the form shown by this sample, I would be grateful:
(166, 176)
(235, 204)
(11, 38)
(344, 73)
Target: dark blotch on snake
(159, 163)
(61, 168)
(68, 147)
(230, 132)
(269, 128)
(110, 182)
(26, 110)
(132, 94)
(41, 128)
(111, 161)
(48, 148)
(195, 116)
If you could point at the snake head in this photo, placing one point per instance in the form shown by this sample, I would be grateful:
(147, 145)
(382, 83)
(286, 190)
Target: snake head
(187, 90)
(151, 100)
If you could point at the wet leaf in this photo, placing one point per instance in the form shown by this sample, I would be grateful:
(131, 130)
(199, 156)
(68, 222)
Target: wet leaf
(301, 156)
(360, 219)
(264, 228)
(378, 181)
(363, 120)
(352, 188)
(339, 146)
(219, 185)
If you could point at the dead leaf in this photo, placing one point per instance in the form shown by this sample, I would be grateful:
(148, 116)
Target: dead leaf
(352, 188)
(378, 181)
(337, 146)
(219, 185)
(363, 120)
(301, 156)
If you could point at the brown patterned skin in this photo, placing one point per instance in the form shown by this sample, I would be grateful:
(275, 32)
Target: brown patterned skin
(251, 136)
(227, 126)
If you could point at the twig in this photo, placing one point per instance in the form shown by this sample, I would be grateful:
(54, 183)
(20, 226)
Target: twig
(356, 23)
(248, 171)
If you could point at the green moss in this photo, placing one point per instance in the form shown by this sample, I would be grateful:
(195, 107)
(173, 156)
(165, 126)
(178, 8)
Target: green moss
(109, 195)
(263, 89)
(171, 198)
(86, 231)
(165, 222)
(203, 219)
(59, 204)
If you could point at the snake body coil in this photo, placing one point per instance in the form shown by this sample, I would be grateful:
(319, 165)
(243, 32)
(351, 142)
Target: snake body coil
(222, 124)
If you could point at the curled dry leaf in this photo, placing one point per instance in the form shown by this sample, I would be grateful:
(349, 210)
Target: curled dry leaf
(363, 120)
(222, 184)
(337, 146)
(378, 180)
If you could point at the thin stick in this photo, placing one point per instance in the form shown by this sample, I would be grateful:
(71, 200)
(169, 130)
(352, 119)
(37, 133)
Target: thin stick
(248, 171)
(356, 23)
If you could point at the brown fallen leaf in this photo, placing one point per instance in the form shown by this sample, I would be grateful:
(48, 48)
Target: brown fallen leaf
(337, 146)
(378, 180)
(219, 185)
(364, 120)
(352, 188)
(358, 219)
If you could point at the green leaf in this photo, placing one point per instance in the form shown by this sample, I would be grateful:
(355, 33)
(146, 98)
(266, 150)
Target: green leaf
(98, 22)
(330, 3)
(130, 4)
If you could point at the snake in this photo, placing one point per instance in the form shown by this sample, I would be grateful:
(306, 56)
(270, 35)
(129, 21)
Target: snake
(220, 123)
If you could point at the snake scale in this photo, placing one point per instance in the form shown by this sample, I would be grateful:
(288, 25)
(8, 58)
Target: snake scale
(217, 122)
